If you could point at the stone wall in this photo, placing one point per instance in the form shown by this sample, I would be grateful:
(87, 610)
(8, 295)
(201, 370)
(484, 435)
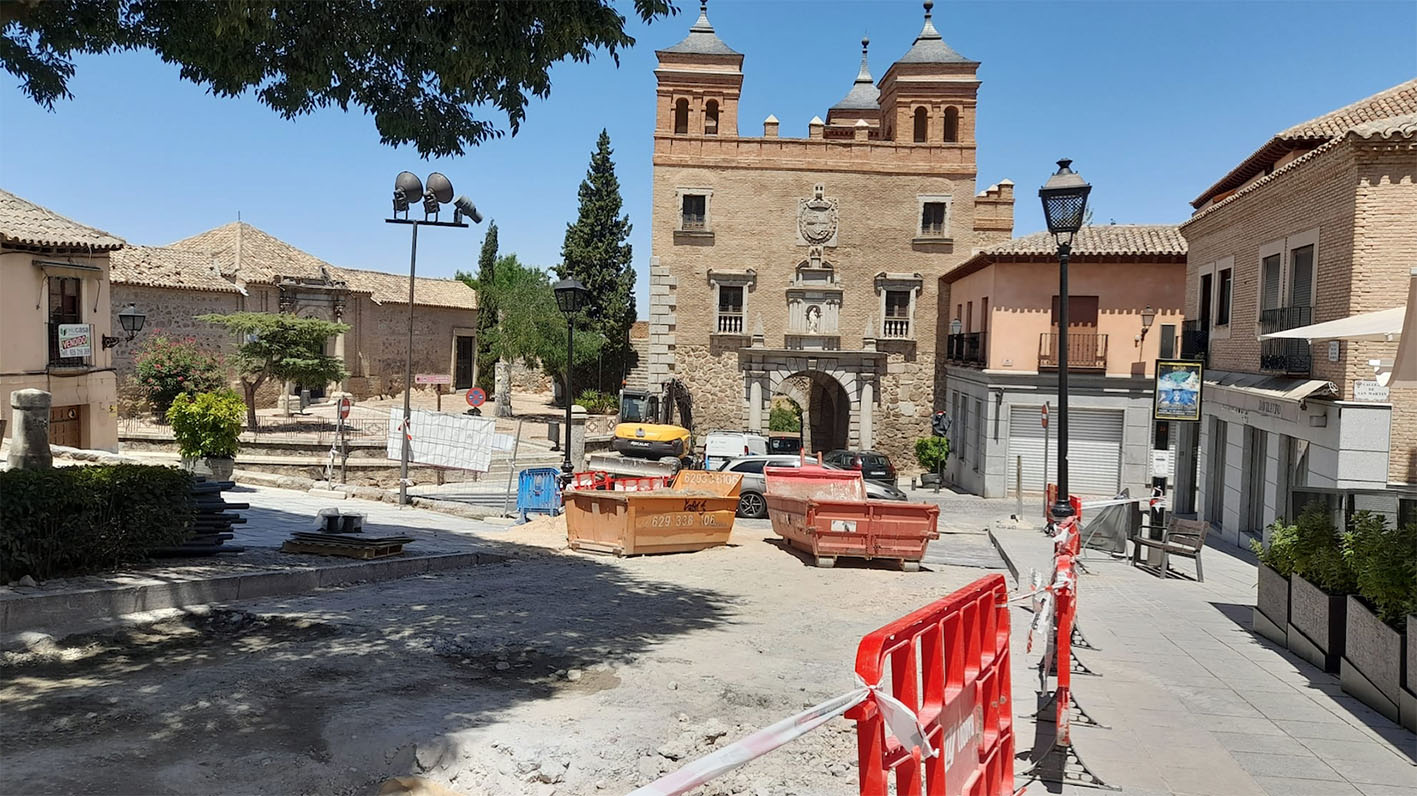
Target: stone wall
(529, 380)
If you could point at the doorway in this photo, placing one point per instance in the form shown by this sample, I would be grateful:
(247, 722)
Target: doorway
(828, 413)
(464, 350)
(66, 426)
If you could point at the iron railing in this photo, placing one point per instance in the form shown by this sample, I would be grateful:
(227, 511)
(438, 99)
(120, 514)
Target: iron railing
(730, 323)
(1195, 341)
(968, 349)
(1086, 350)
(1292, 357)
(693, 223)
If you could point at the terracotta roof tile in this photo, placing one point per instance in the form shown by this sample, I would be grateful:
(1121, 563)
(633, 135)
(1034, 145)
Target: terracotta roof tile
(1404, 126)
(247, 254)
(1113, 239)
(25, 223)
(393, 289)
(164, 266)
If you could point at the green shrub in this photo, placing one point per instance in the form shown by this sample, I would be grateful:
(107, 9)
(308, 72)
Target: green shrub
(1279, 555)
(932, 453)
(165, 368)
(598, 403)
(785, 418)
(208, 424)
(1318, 552)
(77, 520)
(1384, 563)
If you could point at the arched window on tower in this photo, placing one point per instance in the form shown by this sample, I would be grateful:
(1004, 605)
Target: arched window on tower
(921, 125)
(681, 116)
(951, 124)
(711, 117)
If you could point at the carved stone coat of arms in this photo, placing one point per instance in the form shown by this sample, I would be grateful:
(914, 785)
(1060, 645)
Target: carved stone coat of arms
(816, 219)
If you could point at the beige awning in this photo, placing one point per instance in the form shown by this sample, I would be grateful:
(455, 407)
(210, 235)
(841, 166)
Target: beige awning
(1383, 325)
(1404, 367)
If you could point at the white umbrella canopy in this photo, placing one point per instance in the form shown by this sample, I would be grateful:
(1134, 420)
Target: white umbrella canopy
(1383, 325)
(1404, 367)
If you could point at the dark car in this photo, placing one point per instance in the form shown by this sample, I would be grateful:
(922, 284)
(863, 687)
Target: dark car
(873, 466)
(751, 502)
(784, 444)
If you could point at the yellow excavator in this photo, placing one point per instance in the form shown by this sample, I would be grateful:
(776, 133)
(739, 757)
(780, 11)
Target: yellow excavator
(647, 440)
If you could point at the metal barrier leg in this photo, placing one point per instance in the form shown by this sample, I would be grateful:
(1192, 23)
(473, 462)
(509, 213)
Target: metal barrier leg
(1046, 713)
(1080, 640)
(1061, 764)
(1081, 668)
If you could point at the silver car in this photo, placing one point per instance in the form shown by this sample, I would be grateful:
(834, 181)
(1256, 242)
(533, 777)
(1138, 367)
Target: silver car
(751, 502)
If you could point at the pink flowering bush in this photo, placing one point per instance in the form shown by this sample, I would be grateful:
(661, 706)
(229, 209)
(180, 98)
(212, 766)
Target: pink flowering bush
(167, 367)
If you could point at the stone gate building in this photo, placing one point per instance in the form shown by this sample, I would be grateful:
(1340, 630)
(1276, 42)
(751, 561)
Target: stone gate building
(809, 267)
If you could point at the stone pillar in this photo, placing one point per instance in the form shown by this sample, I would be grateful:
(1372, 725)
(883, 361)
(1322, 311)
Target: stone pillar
(578, 417)
(502, 387)
(29, 441)
(287, 404)
(755, 403)
(868, 398)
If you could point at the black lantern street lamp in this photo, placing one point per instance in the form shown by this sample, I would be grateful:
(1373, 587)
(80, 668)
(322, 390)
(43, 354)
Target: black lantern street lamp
(131, 322)
(1064, 205)
(570, 296)
(435, 193)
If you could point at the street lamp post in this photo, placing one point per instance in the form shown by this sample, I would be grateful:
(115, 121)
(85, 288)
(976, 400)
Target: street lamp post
(1064, 204)
(439, 191)
(570, 294)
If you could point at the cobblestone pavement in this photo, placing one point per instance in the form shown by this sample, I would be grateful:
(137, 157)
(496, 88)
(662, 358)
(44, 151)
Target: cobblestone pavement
(1196, 703)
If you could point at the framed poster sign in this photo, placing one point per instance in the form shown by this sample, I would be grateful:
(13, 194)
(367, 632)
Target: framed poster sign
(75, 340)
(1178, 390)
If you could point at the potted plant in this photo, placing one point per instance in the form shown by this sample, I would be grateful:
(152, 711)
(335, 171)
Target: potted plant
(932, 453)
(1271, 613)
(1378, 644)
(1318, 589)
(207, 427)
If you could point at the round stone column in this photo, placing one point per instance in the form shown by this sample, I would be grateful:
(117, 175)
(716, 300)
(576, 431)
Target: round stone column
(29, 442)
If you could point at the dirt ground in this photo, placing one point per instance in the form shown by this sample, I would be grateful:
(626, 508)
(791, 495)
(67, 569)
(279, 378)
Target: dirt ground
(562, 673)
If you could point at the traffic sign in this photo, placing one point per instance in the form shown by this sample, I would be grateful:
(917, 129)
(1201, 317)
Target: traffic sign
(344, 405)
(476, 397)
(1045, 415)
(432, 378)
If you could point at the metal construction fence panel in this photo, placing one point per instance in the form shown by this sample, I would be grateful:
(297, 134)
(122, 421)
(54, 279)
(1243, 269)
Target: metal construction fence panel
(949, 663)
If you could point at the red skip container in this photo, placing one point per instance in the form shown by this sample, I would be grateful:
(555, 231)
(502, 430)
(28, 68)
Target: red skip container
(825, 514)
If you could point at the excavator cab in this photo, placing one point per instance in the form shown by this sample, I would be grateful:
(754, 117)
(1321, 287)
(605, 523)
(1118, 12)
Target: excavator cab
(647, 429)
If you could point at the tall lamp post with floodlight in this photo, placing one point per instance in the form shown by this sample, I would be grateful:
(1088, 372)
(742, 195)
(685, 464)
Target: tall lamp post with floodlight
(570, 297)
(1064, 205)
(438, 191)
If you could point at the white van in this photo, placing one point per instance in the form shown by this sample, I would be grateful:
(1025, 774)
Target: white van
(720, 446)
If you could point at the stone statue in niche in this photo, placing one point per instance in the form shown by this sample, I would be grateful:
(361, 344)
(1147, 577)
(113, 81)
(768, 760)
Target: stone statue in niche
(814, 319)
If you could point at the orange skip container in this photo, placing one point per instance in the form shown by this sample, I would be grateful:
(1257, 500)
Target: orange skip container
(693, 513)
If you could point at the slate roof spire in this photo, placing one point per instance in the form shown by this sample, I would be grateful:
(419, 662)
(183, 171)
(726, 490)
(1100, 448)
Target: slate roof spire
(863, 95)
(929, 47)
(701, 39)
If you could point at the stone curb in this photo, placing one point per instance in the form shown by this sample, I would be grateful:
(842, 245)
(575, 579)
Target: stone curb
(1008, 562)
(70, 612)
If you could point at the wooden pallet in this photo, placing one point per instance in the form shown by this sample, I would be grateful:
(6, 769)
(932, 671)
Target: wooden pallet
(361, 551)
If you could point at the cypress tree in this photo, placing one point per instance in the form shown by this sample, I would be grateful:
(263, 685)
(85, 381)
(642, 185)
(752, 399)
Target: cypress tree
(597, 252)
(487, 315)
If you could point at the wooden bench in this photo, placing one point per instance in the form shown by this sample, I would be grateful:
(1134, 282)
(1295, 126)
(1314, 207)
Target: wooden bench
(1185, 538)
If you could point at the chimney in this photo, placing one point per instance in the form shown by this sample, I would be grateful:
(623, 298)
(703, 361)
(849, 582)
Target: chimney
(862, 131)
(770, 127)
(814, 127)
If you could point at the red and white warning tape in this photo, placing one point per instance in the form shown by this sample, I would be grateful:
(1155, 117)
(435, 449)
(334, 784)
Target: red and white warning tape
(901, 720)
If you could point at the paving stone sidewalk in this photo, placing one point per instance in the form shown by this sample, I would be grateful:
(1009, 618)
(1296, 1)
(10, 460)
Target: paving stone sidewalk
(1197, 704)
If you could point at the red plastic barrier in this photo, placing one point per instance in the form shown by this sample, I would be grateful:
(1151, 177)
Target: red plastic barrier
(601, 480)
(958, 647)
(1050, 496)
(1065, 593)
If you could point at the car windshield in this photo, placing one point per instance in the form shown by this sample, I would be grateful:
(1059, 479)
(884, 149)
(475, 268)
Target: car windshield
(634, 409)
(874, 460)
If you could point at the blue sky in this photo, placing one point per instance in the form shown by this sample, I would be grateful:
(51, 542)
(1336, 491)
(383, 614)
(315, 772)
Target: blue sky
(1153, 100)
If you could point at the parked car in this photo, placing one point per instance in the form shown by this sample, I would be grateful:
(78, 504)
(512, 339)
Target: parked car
(720, 446)
(873, 466)
(784, 443)
(753, 505)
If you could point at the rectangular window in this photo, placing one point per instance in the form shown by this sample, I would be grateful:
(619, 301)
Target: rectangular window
(932, 219)
(978, 433)
(64, 307)
(984, 314)
(695, 215)
(1301, 277)
(968, 316)
(1168, 341)
(897, 321)
(1270, 282)
(730, 309)
(1222, 297)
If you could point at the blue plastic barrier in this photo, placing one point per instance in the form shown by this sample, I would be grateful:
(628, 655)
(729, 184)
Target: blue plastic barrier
(539, 491)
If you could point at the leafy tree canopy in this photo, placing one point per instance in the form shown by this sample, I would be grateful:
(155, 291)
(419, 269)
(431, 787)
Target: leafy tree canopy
(420, 69)
(280, 348)
(532, 328)
(597, 250)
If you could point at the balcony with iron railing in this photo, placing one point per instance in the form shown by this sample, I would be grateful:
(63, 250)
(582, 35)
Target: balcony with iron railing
(1290, 357)
(730, 322)
(1195, 341)
(1086, 351)
(968, 349)
(896, 329)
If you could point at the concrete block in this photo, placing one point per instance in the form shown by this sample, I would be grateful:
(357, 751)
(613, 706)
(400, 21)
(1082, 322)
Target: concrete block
(347, 573)
(274, 584)
(194, 592)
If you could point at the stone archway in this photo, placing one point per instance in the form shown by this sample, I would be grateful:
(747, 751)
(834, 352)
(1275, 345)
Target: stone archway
(826, 409)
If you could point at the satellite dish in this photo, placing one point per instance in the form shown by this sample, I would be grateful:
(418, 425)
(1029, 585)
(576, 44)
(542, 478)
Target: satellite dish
(440, 187)
(408, 182)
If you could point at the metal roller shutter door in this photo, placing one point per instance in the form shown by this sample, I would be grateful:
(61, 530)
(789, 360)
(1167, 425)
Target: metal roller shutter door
(1095, 457)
